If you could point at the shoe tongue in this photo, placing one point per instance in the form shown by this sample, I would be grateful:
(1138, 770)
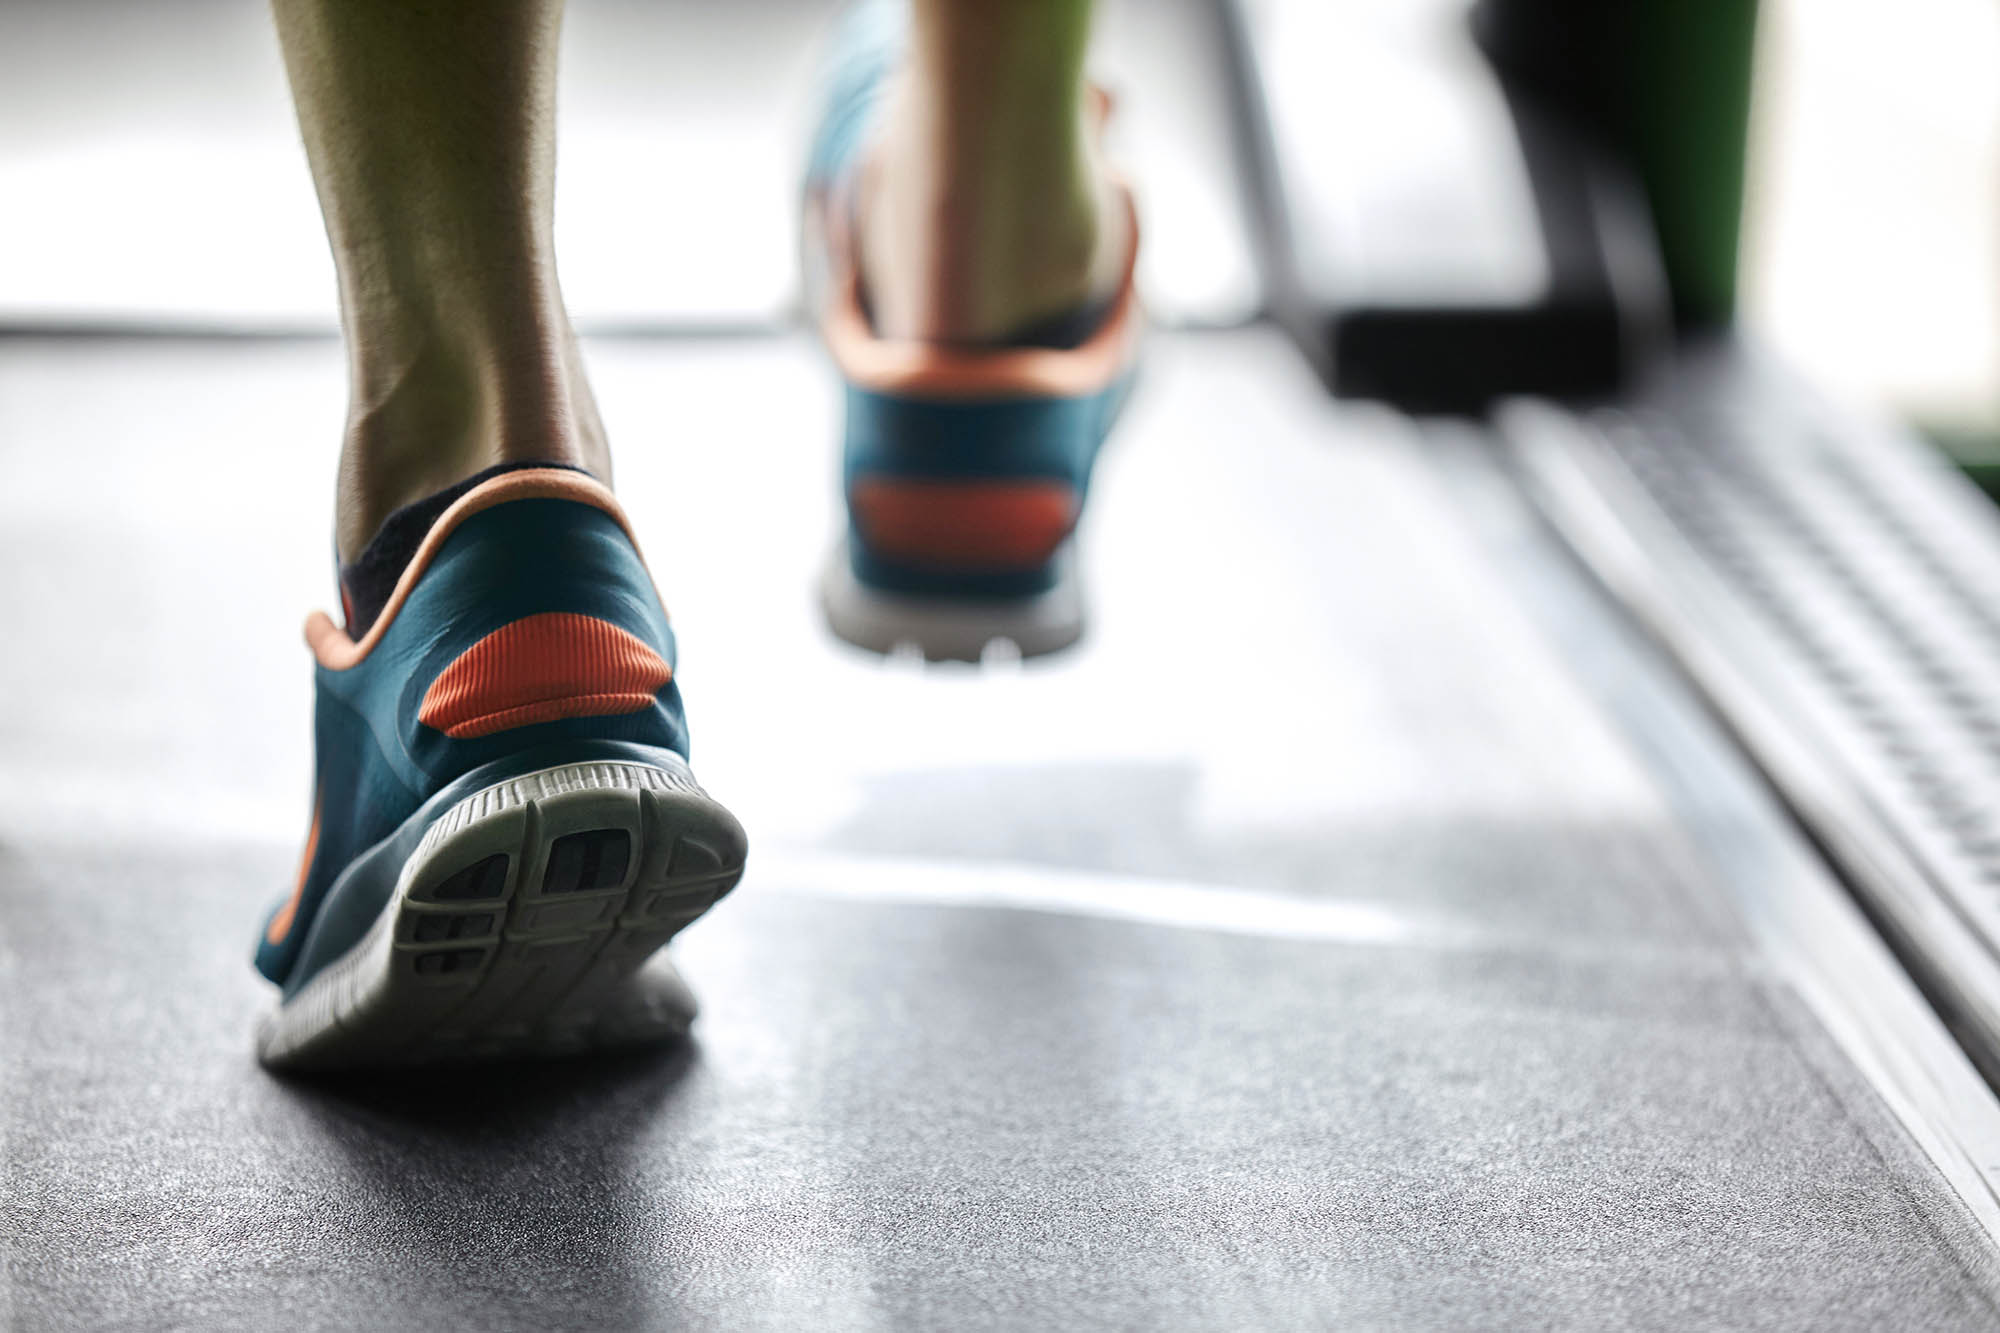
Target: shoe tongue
(367, 583)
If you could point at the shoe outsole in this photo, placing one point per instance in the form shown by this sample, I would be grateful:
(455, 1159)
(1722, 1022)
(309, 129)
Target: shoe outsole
(951, 629)
(520, 926)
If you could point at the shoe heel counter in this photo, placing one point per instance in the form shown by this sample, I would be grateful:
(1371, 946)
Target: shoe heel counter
(535, 614)
(972, 497)
(554, 623)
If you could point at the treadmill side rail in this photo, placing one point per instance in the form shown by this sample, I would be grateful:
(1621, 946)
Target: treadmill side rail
(1826, 582)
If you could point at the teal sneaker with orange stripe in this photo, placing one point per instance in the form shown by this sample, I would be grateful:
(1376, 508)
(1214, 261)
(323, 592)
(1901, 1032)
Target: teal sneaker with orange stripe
(505, 827)
(965, 469)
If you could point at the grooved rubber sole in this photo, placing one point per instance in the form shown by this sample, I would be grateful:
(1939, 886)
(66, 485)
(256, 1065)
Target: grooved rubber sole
(520, 925)
(951, 629)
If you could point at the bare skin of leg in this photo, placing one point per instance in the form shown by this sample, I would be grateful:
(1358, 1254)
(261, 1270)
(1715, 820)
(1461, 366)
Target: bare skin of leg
(430, 128)
(985, 207)
(431, 132)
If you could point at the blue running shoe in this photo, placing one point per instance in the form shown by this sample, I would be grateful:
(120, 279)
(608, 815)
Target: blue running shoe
(505, 827)
(965, 468)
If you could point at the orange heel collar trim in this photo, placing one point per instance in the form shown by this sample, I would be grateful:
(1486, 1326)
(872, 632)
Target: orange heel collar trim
(335, 650)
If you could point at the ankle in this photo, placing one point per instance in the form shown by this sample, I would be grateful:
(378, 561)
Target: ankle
(429, 409)
(970, 233)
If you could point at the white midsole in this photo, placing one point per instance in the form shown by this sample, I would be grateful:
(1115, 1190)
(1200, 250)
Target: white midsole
(952, 628)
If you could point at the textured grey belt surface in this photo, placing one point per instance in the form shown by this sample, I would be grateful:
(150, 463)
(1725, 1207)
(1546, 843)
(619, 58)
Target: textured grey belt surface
(983, 1046)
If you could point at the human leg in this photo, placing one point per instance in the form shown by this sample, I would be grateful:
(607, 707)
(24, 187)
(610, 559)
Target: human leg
(505, 825)
(986, 207)
(430, 129)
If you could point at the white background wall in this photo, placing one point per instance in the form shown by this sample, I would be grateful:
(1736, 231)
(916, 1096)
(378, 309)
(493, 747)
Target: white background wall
(1872, 245)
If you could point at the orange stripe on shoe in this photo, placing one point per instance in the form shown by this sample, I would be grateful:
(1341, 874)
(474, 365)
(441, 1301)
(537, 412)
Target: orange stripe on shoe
(964, 525)
(281, 924)
(554, 665)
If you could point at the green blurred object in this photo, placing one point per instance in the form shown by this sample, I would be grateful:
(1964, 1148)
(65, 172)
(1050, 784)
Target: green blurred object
(1687, 115)
(1975, 449)
(1666, 84)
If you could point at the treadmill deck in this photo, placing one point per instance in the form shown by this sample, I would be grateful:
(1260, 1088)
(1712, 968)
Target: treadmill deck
(1320, 943)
